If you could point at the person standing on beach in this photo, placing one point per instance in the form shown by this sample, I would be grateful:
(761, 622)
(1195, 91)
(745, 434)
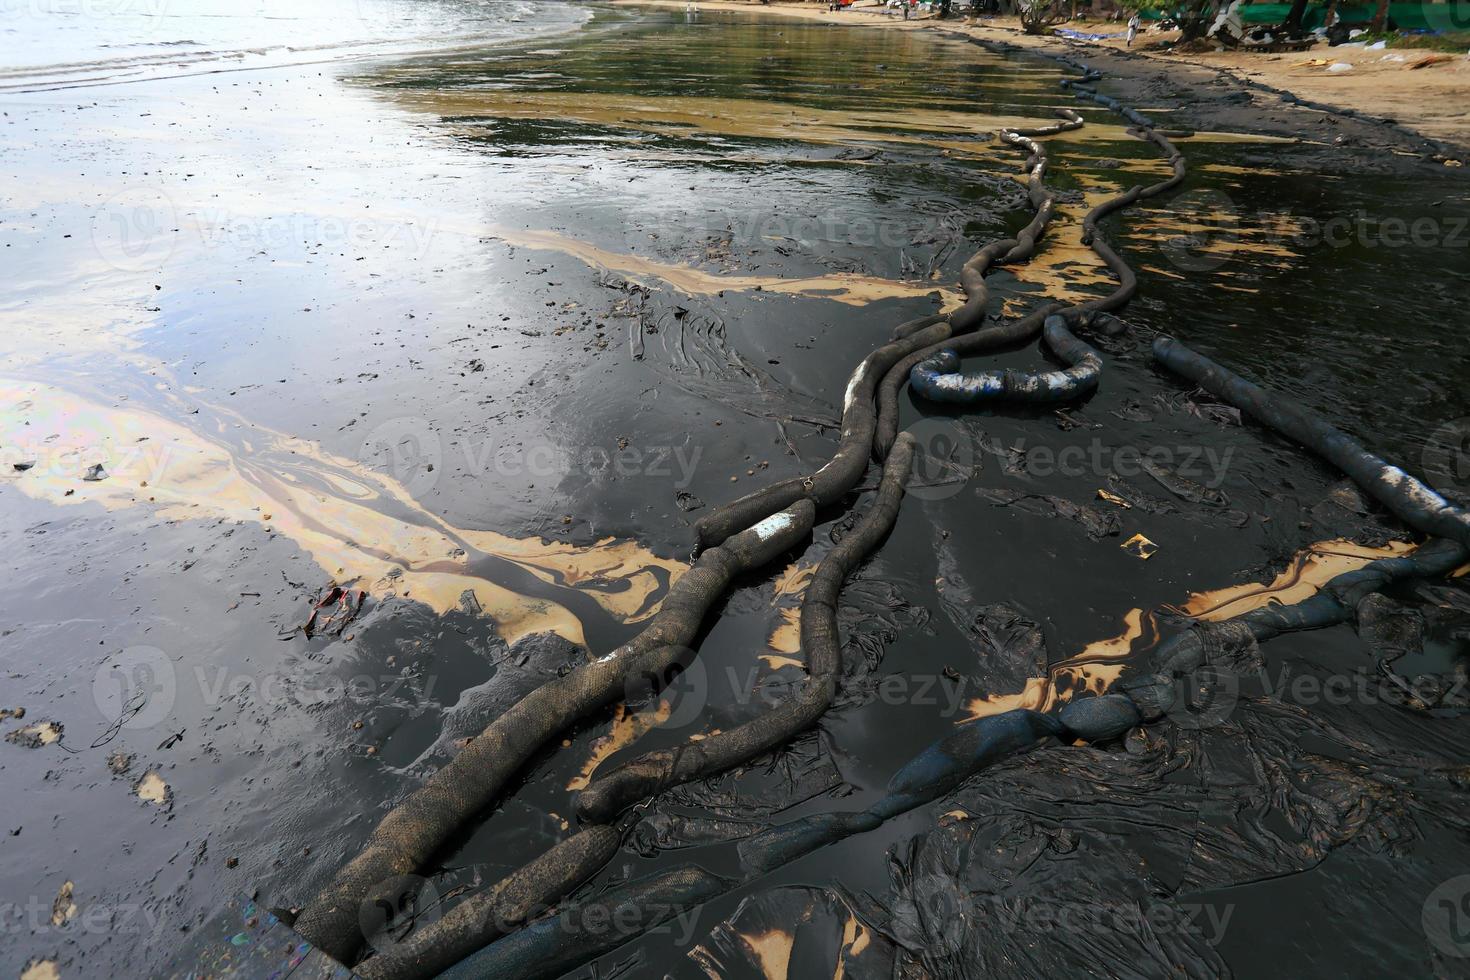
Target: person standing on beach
(1132, 28)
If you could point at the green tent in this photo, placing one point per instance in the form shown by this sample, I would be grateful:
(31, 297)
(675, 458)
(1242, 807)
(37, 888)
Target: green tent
(1404, 16)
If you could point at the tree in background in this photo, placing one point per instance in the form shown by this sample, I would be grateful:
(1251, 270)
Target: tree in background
(1192, 16)
(1038, 15)
(1293, 22)
(1380, 18)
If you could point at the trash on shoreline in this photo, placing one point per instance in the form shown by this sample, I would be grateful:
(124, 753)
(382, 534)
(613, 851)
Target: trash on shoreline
(344, 609)
(1429, 59)
(1140, 547)
(1097, 523)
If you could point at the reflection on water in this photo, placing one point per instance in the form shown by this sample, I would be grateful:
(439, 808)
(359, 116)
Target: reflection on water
(628, 139)
(626, 152)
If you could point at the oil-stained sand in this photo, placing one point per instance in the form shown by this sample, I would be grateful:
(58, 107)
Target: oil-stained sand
(434, 260)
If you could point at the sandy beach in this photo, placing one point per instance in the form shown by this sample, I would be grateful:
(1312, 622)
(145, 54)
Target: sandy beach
(1381, 84)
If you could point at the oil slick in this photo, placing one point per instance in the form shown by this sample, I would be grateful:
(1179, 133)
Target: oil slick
(737, 118)
(1101, 662)
(627, 727)
(842, 287)
(1064, 269)
(774, 934)
(785, 638)
(1308, 571)
(342, 513)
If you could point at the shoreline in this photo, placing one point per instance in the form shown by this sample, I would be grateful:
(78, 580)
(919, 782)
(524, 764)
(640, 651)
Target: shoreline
(1282, 101)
